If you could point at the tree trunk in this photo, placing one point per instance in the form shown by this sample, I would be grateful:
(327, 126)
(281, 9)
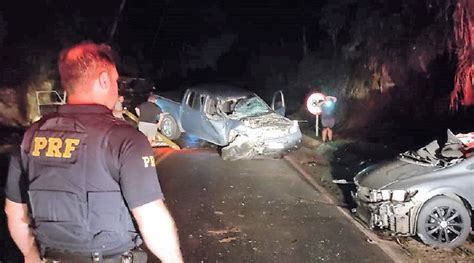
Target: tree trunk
(305, 44)
(334, 58)
(463, 93)
(114, 26)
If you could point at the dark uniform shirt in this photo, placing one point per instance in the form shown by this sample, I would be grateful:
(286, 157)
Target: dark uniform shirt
(128, 153)
(120, 156)
(149, 112)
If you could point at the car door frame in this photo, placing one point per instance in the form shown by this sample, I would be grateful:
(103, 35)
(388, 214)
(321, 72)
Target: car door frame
(282, 108)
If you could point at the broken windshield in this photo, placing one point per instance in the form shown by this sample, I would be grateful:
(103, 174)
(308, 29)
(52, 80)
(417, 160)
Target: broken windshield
(250, 106)
(434, 154)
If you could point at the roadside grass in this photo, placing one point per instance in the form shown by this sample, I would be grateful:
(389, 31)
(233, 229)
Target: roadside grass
(345, 158)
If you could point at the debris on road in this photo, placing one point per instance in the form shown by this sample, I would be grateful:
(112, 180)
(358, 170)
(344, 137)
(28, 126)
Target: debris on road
(224, 231)
(227, 239)
(370, 241)
(341, 181)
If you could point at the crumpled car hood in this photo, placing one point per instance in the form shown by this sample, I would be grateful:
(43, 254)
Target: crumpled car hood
(383, 174)
(268, 120)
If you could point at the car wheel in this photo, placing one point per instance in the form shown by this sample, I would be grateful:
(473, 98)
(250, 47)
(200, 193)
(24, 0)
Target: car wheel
(443, 222)
(169, 127)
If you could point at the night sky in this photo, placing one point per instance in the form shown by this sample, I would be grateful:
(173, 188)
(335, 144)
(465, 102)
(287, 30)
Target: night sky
(356, 49)
(159, 26)
(158, 31)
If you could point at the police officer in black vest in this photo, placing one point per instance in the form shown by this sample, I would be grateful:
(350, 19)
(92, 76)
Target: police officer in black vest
(81, 175)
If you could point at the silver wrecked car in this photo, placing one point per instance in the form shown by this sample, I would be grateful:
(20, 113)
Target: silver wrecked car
(428, 192)
(238, 121)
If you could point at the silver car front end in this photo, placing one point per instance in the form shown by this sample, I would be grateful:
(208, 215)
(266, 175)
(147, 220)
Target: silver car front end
(392, 210)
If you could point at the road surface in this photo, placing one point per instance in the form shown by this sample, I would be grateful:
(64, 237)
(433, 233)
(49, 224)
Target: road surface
(254, 211)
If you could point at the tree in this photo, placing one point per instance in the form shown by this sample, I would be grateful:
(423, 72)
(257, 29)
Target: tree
(116, 20)
(206, 53)
(464, 39)
(3, 29)
(333, 21)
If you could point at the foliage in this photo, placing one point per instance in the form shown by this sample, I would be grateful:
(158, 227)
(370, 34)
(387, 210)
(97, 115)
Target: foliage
(396, 37)
(464, 37)
(75, 28)
(3, 29)
(206, 53)
(333, 19)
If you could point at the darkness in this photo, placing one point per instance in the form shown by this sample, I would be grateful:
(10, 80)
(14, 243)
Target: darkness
(391, 64)
(157, 31)
(390, 58)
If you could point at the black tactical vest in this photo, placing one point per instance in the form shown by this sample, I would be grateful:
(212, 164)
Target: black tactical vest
(75, 201)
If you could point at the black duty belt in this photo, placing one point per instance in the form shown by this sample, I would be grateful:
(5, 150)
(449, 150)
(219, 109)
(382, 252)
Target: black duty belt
(55, 255)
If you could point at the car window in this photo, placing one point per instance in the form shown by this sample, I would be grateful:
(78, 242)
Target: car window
(190, 100)
(211, 107)
(251, 106)
(197, 102)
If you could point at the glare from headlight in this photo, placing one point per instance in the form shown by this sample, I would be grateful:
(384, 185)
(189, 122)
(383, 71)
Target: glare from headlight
(295, 127)
(275, 145)
(391, 195)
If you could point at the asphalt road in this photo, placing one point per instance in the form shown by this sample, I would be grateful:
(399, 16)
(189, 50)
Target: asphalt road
(254, 211)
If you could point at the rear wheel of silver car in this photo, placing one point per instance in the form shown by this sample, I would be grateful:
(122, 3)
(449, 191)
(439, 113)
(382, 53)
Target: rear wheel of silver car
(443, 222)
(169, 127)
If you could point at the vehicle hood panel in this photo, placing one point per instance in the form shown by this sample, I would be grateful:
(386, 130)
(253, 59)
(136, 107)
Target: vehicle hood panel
(381, 175)
(273, 120)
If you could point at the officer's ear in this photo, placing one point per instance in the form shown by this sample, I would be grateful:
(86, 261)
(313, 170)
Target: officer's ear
(104, 80)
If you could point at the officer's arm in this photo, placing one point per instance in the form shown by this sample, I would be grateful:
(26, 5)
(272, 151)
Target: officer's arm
(137, 110)
(160, 119)
(19, 227)
(158, 230)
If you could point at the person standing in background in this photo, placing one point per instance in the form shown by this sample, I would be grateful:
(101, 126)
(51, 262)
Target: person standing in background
(118, 108)
(328, 118)
(149, 116)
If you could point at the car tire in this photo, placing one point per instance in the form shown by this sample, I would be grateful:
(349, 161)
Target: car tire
(169, 127)
(443, 222)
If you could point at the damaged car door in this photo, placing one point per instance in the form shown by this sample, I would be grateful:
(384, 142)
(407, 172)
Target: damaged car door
(197, 121)
(190, 112)
(278, 103)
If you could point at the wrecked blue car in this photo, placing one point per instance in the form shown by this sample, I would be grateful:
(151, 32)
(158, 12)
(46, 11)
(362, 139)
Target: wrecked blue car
(238, 121)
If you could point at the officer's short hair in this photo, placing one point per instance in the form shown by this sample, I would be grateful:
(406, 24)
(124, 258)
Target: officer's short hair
(82, 62)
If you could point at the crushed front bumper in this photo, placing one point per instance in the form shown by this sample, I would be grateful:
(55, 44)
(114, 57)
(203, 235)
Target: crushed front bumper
(279, 145)
(397, 217)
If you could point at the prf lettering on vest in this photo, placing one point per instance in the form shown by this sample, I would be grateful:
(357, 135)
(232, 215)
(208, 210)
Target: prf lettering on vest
(148, 161)
(54, 147)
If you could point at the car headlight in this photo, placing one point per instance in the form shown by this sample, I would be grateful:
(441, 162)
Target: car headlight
(379, 195)
(275, 145)
(399, 195)
(295, 127)
(391, 195)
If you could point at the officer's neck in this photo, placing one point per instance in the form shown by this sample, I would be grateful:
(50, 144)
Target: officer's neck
(85, 99)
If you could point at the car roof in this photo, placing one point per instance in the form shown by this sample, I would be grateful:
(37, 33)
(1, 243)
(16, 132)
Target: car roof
(221, 91)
